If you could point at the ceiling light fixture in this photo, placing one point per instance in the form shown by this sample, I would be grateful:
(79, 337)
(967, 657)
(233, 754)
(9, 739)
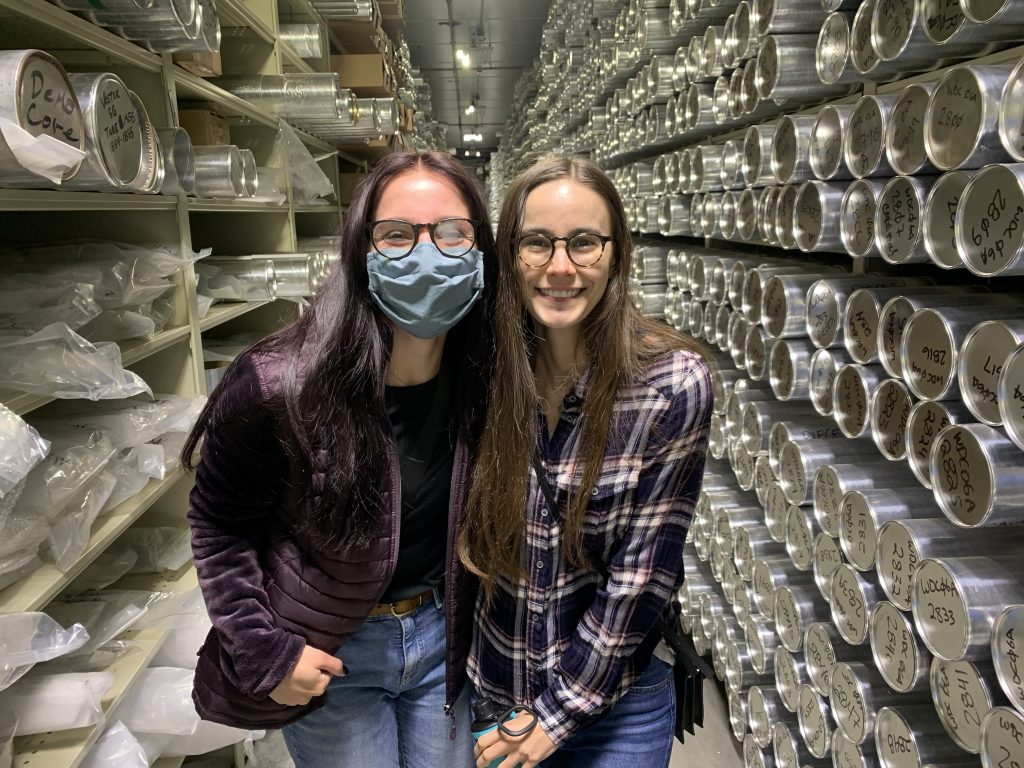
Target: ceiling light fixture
(463, 58)
(471, 108)
(468, 137)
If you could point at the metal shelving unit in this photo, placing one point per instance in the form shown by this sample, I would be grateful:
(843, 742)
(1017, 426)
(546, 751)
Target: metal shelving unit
(170, 361)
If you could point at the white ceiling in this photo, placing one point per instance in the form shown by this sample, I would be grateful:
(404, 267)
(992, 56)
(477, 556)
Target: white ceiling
(502, 38)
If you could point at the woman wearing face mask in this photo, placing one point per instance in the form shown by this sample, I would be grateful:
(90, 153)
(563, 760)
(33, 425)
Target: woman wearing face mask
(331, 481)
(612, 412)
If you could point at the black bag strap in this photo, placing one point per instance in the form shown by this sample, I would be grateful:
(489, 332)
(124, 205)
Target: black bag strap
(681, 646)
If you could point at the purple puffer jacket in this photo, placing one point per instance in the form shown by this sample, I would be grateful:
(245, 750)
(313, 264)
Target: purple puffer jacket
(270, 588)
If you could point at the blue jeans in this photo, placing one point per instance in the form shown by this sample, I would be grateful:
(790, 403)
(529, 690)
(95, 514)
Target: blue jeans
(637, 732)
(388, 711)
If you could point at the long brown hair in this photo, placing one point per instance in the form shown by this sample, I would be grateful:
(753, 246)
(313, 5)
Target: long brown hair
(619, 342)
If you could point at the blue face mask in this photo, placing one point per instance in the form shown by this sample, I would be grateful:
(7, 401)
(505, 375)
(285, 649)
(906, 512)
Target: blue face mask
(426, 293)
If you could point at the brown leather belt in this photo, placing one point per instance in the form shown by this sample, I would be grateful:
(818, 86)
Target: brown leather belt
(403, 607)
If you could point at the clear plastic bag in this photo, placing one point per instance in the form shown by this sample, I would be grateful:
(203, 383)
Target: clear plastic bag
(203, 304)
(58, 702)
(130, 422)
(116, 747)
(181, 648)
(69, 535)
(308, 180)
(130, 480)
(76, 457)
(16, 567)
(57, 362)
(108, 567)
(21, 449)
(160, 701)
(160, 457)
(157, 549)
(29, 638)
(118, 325)
(104, 614)
(34, 303)
(207, 737)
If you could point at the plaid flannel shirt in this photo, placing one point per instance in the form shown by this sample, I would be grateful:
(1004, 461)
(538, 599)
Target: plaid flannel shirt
(563, 640)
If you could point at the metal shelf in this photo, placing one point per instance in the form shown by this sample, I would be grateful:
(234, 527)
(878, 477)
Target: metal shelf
(221, 313)
(67, 749)
(39, 587)
(193, 87)
(39, 24)
(327, 208)
(64, 200)
(235, 13)
(234, 206)
(293, 60)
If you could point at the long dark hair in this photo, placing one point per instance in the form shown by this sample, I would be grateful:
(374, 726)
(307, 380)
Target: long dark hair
(335, 360)
(619, 342)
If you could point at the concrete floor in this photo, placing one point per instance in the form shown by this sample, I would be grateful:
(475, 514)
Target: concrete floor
(712, 746)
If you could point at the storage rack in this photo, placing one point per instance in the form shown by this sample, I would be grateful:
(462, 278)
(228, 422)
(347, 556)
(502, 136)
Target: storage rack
(170, 361)
(716, 598)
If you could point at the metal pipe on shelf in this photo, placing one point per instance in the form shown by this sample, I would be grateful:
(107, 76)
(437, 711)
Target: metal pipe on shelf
(851, 397)
(897, 651)
(927, 419)
(833, 481)
(790, 674)
(961, 128)
(989, 222)
(890, 412)
(898, 217)
(864, 142)
(790, 153)
(857, 693)
(963, 693)
(825, 365)
(863, 512)
(904, 132)
(857, 216)
(939, 220)
(826, 147)
(956, 600)
(853, 594)
(982, 355)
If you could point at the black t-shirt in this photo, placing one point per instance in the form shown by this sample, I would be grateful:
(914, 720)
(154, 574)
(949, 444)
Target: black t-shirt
(424, 524)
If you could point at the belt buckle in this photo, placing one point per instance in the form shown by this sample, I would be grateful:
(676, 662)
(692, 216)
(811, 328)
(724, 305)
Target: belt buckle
(400, 614)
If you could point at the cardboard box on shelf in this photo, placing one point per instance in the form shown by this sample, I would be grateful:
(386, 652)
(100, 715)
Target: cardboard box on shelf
(392, 14)
(347, 186)
(201, 64)
(358, 35)
(204, 126)
(374, 149)
(365, 73)
(406, 118)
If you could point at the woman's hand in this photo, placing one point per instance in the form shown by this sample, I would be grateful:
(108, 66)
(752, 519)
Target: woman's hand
(526, 751)
(308, 678)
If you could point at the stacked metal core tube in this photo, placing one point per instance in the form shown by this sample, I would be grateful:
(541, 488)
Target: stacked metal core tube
(830, 186)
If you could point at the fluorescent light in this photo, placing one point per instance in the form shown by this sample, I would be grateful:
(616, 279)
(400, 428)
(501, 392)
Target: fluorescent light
(460, 54)
(471, 108)
(467, 137)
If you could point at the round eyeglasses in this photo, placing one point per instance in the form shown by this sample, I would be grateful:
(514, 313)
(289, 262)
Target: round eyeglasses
(584, 250)
(395, 239)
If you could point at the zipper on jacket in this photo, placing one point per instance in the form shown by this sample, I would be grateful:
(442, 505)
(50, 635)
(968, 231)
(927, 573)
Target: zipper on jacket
(449, 711)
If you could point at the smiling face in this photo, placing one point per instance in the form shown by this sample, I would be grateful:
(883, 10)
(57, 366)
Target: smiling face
(561, 294)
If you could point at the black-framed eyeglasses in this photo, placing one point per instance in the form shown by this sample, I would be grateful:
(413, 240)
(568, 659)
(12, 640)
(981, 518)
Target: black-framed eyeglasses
(584, 250)
(395, 239)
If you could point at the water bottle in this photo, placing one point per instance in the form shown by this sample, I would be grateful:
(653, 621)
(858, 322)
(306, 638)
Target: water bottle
(487, 713)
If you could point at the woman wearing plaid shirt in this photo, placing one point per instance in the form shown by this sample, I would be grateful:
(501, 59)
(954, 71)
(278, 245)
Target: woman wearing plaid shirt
(617, 409)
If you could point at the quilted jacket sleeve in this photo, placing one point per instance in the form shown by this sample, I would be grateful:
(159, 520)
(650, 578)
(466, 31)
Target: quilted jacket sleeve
(241, 471)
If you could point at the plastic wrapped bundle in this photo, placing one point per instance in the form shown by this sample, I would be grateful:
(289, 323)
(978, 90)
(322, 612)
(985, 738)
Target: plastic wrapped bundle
(29, 638)
(21, 449)
(56, 702)
(117, 746)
